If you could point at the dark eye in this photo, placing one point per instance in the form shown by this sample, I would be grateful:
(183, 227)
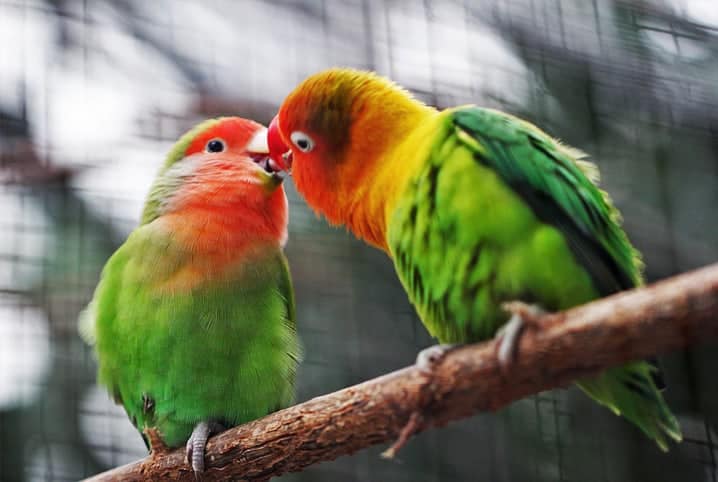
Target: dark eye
(303, 142)
(215, 145)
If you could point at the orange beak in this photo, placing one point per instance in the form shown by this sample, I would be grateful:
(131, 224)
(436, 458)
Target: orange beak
(279, 152)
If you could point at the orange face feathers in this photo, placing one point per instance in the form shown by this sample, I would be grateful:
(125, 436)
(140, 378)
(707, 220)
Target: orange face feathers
(217, 182)
(341, 126)
(330, 106)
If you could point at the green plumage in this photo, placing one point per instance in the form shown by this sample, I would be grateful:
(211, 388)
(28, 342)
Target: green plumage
(193, 318)
(228, 351)
(499, 211)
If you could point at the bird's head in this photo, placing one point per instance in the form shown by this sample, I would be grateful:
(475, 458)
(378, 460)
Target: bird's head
(220, 167)
(333, 129)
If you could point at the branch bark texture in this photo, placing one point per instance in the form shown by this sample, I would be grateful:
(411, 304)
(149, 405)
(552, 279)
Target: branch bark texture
(577, 343)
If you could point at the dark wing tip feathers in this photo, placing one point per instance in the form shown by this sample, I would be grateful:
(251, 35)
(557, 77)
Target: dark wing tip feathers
(555, 188)
(573, 205)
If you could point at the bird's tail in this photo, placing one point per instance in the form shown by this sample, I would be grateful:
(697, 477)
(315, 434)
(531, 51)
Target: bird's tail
(630, 391)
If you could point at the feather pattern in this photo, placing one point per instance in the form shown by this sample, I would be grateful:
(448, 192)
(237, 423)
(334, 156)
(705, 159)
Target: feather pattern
(499, 211)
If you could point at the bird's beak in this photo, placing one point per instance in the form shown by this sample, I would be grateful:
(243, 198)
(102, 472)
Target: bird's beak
(258, 150)
(258, 143)
(279, 152)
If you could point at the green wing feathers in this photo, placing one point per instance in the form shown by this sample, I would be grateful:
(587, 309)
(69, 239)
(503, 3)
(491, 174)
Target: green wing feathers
(500, 211)
(631, 391)
(549, 178)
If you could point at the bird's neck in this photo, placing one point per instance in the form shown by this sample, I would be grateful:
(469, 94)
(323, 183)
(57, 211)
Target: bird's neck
(383, 176)
(211, 242)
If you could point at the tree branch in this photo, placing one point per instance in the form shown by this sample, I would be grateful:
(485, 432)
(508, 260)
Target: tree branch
(633, 325)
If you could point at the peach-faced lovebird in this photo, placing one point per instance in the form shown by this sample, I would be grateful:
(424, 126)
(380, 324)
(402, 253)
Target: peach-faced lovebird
(193, 318)
(479, 210)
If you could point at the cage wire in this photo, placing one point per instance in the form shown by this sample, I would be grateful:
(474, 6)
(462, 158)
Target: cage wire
(92, 94)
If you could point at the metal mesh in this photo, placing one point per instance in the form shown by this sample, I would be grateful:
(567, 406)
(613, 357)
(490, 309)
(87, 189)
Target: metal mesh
(92, 94)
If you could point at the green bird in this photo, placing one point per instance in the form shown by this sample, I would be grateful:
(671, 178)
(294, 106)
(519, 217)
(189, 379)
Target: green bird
(193, 318)
(475, 207)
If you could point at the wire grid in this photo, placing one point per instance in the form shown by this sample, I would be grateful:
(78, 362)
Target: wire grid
(630, 83)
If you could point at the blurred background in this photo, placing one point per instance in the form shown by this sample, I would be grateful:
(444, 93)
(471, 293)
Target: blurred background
(93, 93)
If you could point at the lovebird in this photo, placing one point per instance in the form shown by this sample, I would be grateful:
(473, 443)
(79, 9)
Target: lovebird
(193, 320)
(488, 220)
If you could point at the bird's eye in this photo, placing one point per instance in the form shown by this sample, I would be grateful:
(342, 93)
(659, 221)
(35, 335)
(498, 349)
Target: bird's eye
(215, 145)
(303, 142)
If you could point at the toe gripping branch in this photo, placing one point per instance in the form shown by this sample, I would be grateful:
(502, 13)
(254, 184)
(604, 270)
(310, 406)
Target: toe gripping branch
(523, 316)
(426, 362)
(195, 448)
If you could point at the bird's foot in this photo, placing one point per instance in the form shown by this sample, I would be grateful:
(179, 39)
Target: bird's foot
(523, 316)
(157, 445)
(426, 361)
(197, 443)
(429, 358)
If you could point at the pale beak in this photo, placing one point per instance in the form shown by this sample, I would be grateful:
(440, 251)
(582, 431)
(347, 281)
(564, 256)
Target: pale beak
(258, 143)
(258, 149)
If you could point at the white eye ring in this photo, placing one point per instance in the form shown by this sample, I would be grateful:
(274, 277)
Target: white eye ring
(303, 142)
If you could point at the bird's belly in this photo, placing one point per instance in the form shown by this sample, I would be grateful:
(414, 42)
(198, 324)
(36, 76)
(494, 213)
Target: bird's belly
(203, 358)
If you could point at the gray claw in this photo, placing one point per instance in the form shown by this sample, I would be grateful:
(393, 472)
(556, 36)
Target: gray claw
(198, 441)
(195, 447)
(428, 358)
(522, 316)
(509, 334)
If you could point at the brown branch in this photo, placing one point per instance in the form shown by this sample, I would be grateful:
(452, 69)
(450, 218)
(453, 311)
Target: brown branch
(580, 342)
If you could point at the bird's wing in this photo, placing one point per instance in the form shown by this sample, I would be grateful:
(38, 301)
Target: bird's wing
(557, 186)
